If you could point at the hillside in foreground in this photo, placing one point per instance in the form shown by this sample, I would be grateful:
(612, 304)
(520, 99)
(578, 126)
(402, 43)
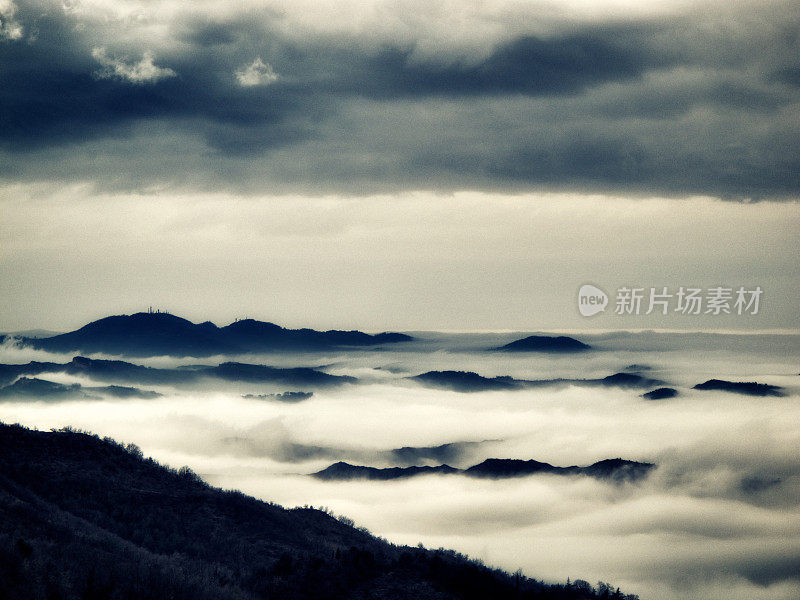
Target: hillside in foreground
(84, 517)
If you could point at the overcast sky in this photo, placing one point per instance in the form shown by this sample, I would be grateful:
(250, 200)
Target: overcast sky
(459, 165)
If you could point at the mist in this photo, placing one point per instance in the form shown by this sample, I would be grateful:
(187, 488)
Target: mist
(718, 518)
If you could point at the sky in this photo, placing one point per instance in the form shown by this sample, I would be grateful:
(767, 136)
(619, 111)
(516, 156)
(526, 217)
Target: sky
(397, 165)
(455, 166)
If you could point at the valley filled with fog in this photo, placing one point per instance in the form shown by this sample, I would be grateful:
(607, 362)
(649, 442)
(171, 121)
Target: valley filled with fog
(717, 518)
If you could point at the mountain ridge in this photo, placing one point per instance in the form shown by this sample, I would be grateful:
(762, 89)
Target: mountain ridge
(617, 470)
(118, 371)
(164, 334)
(35, 389)
(747, 388)
(469, 381)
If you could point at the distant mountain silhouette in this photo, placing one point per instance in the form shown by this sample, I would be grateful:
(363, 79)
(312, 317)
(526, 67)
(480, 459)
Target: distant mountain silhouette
(41, 389)
(468, 381)
(660, 393)
(618, 470)
(140, 334)
(615, 469)
(343, 471)
(631, 380)
(748, 388)
(155, 334)
(118, 371)
(282, 397)
(509, 467)
(233, 371)
(8, 373)
(82, 517)
(119, 391)
(122, 371)
(545, 343)
(258, 335)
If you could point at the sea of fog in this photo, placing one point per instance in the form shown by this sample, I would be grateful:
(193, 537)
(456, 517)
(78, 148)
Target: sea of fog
(718, 519)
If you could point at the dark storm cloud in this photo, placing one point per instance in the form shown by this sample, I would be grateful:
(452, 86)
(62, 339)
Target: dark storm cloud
(527, 65)
(655, 107)
(56, 92)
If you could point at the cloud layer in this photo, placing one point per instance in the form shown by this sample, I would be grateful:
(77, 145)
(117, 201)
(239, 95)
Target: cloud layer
(717, 519)
(381, 96)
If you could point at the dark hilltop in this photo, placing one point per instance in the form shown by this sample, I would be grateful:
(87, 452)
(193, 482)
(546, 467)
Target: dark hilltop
(342, 471)
(545, 343)
(160, 334)
(661, 393)
(467, 381)
(748, 388)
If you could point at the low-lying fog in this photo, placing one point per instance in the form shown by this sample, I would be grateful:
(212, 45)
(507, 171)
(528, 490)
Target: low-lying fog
(719, 518)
